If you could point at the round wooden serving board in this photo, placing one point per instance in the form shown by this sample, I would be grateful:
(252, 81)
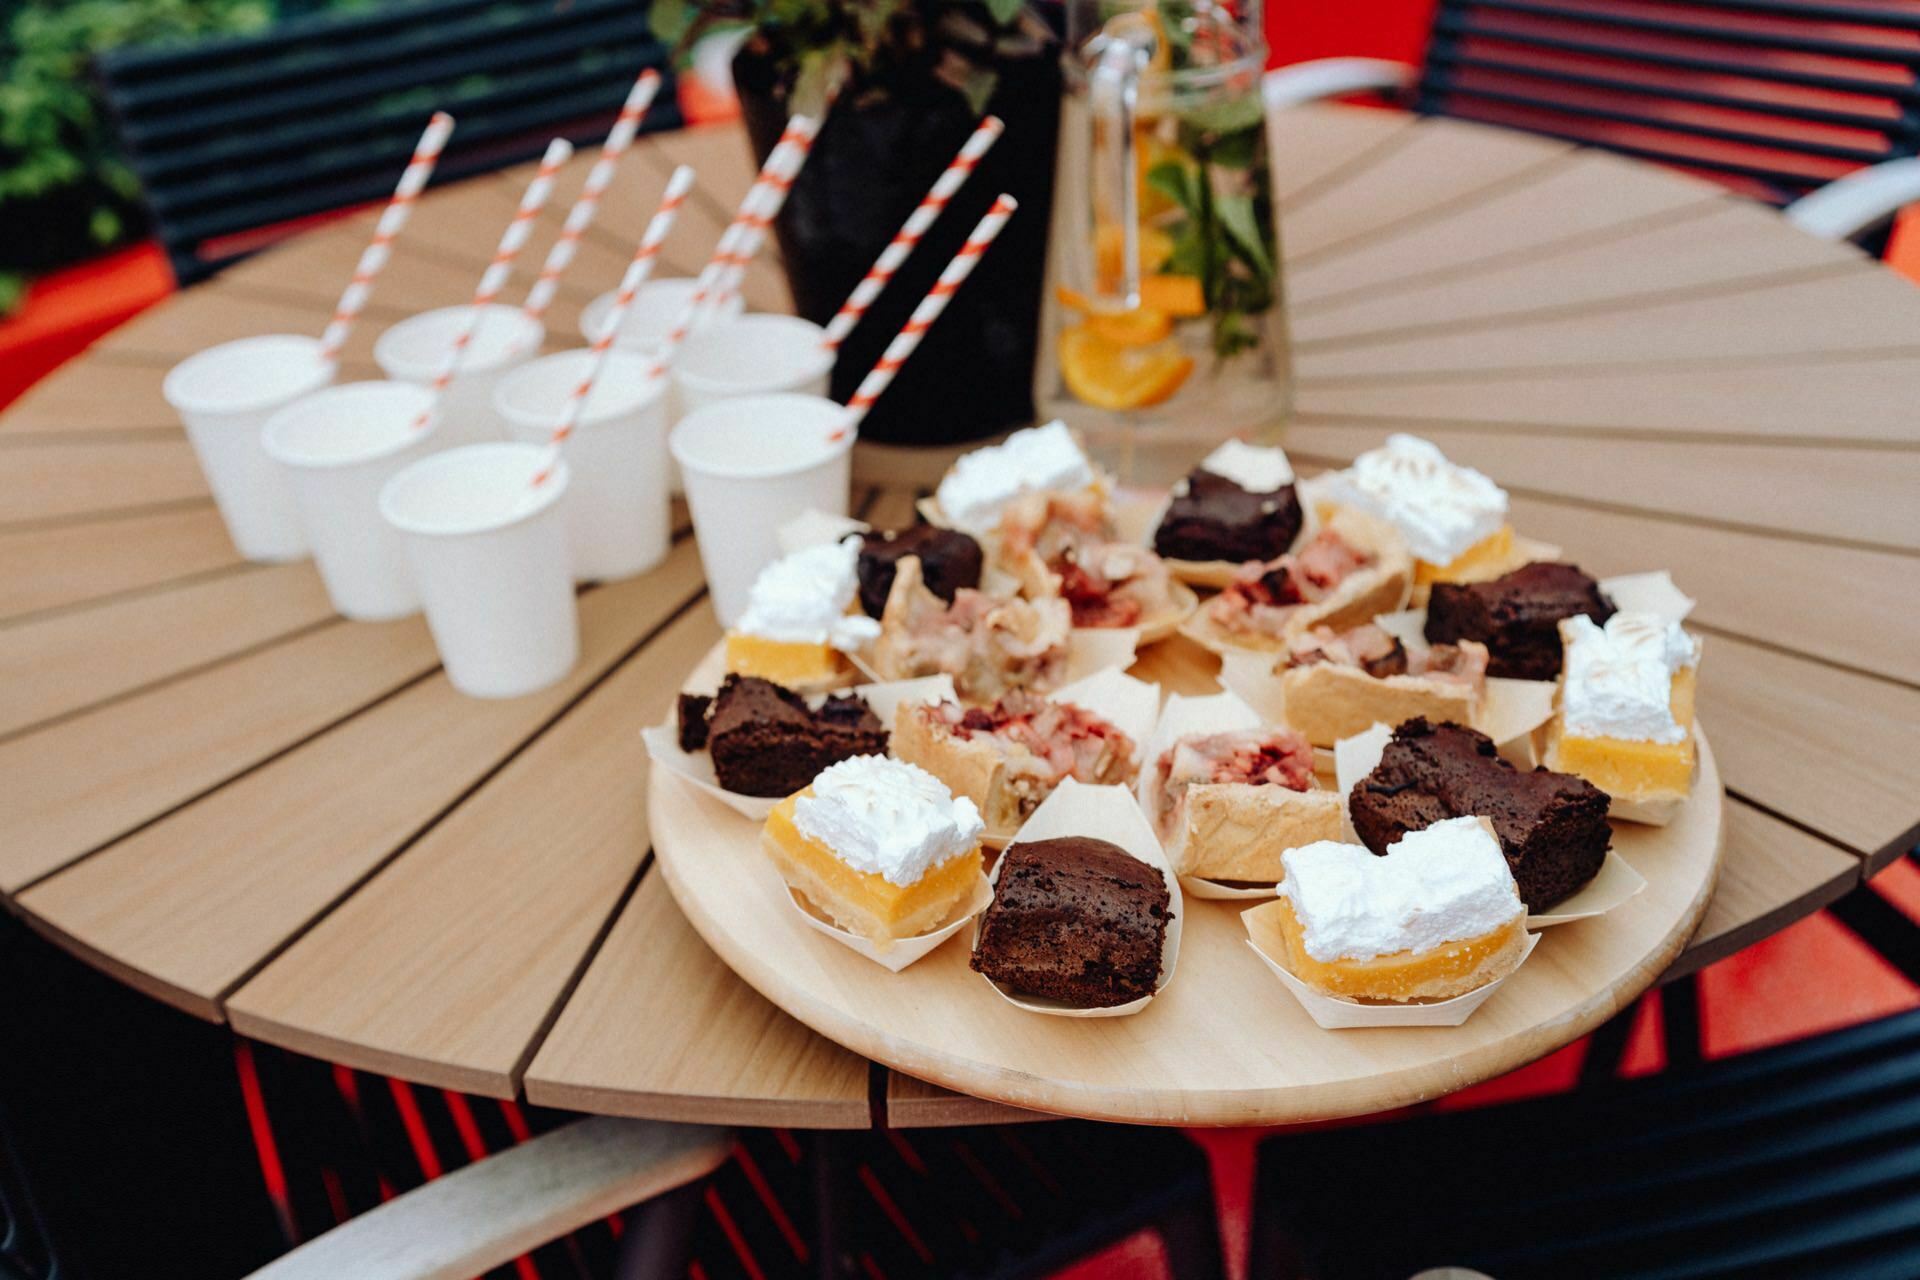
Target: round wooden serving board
(1224, 1043)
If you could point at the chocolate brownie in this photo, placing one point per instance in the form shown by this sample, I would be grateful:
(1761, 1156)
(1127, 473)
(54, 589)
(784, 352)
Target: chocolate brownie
(949, 560)
(1517, 616)
(1076, 920)
(1212, 518)
(691, 712)
(1552, 826)
(766, 741)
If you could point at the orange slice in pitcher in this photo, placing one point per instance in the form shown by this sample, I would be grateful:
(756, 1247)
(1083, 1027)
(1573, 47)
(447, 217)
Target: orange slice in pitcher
(1111, 376)
(1134, 328)
(1179, 296)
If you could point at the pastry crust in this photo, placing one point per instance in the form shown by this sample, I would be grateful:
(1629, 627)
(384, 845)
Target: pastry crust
(969, 768)
(888, 656)
(1361, 596)
(1238, 830)
(1327, 701)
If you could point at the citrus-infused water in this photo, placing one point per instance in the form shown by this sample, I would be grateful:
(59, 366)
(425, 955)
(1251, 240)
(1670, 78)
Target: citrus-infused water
(1165, 317)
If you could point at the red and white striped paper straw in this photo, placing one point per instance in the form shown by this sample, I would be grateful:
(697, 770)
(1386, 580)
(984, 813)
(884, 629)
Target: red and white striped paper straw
(581, 216)
(413, 180)
(882, 373)
(769, 194)
(636, 275)
(494, 278)
(984, 136)
(775, 177)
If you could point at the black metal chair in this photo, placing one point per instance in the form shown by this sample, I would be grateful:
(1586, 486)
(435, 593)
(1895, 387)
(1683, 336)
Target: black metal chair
(237, 140)
(1802, 1160)
(1780, 99)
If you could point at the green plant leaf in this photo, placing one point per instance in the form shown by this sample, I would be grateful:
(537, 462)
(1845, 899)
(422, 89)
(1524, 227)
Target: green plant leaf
(1171, 179)
(1005, 11)
(670, 20)
(1243, 229)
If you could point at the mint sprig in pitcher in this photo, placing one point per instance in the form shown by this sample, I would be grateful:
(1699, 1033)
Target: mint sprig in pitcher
(1165, 324)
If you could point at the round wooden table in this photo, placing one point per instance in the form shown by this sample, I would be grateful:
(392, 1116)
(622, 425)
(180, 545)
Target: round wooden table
(228, 797)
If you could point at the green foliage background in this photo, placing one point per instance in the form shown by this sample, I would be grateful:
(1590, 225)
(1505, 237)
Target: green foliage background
(55, 142)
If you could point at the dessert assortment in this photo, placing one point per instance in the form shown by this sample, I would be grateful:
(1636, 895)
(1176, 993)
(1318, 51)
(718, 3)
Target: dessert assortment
(1431, 726)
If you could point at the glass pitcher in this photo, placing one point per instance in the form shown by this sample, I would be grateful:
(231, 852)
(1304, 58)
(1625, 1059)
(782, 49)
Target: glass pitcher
(1165, 326)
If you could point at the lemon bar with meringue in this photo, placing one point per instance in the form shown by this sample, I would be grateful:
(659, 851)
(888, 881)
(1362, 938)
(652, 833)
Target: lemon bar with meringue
(1625, 719)
(1436, 916)
(879, 846)
(1453, 518)
(982, 483)
(799, 621)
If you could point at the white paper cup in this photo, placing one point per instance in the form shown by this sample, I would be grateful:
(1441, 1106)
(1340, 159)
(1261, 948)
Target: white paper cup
(750, 465)
(751, 356)
(337, 448)
(654, 310)
(415, 349)
(224, 396)
(488, 552)
(616, 507)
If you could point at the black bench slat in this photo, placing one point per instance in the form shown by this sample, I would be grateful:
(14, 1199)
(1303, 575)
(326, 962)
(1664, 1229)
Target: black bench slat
(1451, 24)
(1806, 42)
(1685, 128)
(210, 218)
(1671, 93)
(345, 93)
(239, 81)
(237, 134)
(325, 124)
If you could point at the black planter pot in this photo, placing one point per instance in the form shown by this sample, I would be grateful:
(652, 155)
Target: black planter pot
(876, 155)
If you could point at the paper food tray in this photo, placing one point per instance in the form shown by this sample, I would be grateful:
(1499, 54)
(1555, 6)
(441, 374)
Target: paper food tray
(1103, 813)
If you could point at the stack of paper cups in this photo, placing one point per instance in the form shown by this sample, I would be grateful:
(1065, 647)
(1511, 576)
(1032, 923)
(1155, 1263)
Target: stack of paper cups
(338, 448)
(416, 349)
(616, 508)
(488, 551)
(752, 356)
(225, 395)
(751, 464)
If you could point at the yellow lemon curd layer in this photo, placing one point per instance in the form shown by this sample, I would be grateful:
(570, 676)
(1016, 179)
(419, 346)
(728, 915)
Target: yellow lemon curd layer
(1488, 558)
(784, 662)
(1628, 769)
(1452, 969)
(860, 901)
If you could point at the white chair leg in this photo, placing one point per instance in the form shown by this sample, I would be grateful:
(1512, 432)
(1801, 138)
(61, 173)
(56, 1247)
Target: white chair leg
(1847, 206)
(478, 1217)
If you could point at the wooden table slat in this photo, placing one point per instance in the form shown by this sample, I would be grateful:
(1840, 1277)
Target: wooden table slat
(447, 965)
(1581, 201)
(79, 783)
(187, 907)
(1315, 147)
(659, 1027)
(1731, 243)
(63, 480)
(74, 659)
(1830, 749)
(62, 565)
(1781, 875)
(1426, 173)
(1840, 401)
(1839, 314)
